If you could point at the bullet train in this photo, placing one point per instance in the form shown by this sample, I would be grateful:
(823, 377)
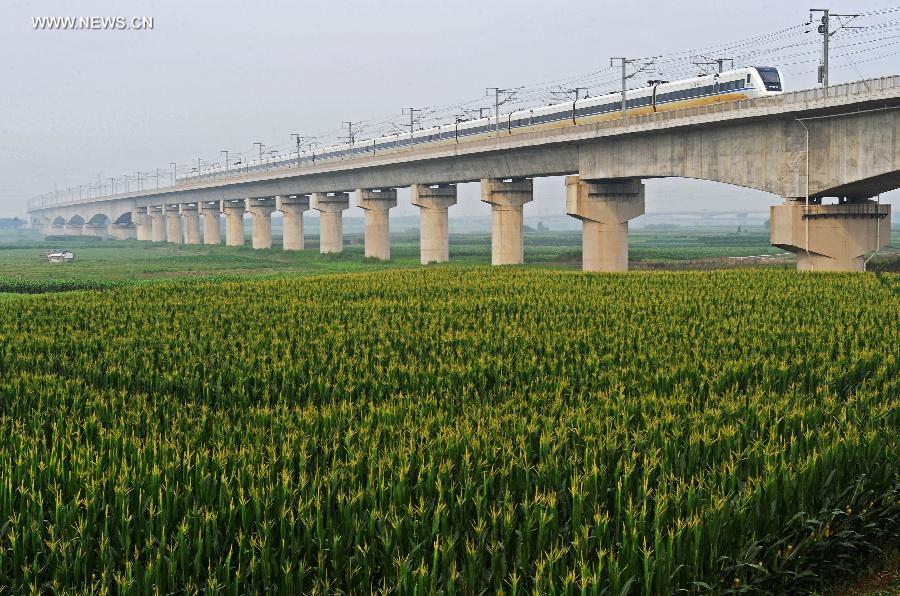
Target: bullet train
(659, 96)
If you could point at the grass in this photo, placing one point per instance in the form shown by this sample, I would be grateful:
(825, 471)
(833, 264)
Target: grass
(22, 255)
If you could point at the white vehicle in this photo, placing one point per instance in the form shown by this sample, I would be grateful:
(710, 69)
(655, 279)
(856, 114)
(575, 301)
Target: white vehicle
(63, 256)
(659, 96)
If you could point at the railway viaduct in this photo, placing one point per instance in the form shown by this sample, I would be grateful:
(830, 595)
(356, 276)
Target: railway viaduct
(842, 142)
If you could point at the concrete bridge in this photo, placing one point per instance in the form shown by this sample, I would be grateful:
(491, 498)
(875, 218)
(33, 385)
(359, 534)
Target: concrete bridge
(804, 146)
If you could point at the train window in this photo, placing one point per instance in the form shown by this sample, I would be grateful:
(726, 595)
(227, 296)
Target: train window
(748, 79)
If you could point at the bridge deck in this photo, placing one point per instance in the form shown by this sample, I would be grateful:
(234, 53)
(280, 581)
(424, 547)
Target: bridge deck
(875, 93)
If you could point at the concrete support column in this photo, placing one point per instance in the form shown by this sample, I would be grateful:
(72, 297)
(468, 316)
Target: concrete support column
(261, 210)
(95, 230)
(74, 229)
(434, 203)
(604, 207)
(157, 224)
(331, 224)
(191, 216)
(234, 222)
(831, 237)
(212, 232)
(506, 200)
(377, 205)
(173, 224)
(292, 225)
(142, 225)
(122, 231)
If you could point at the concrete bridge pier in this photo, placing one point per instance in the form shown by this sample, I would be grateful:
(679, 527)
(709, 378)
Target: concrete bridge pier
(234, 222)
(507, 199)
(73, 229)
(95, 230)
(292, 225)
(604, 207)
(191, 217)
(122, 231)
(377, 205)
(261, 210)
(157, 223)
(142, 225)
(434, 203)
(173, 224)
(831, 237)
(212, 212)
(331, 224)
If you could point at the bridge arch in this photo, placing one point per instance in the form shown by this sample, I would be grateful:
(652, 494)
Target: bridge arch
(75, 220)
(59, 221)
(124, 218)
(98, 219)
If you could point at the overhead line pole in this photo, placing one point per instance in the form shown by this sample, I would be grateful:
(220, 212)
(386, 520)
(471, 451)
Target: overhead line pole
(497, 103)
(412, 117)
(623, 62)
(826, 32)
(299, 139)
(260, 154)
(350, 134)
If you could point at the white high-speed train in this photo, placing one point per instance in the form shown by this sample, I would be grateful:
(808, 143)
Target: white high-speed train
(661, 96)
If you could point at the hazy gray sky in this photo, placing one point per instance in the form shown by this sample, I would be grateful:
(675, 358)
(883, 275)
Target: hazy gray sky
(221, 74)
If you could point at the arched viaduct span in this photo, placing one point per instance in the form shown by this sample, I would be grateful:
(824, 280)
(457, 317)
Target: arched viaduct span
(803, 146)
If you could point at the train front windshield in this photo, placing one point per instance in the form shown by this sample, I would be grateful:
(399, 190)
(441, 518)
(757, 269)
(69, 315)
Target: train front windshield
(769, 77)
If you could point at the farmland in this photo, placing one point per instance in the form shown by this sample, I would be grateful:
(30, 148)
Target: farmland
(98, 260)
(458, 429)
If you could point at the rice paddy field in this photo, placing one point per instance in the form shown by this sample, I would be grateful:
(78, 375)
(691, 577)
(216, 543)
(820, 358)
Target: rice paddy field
(455, 430)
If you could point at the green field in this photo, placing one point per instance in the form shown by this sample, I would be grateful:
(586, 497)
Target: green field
(106, 260)
(450, 429)
(21, 255)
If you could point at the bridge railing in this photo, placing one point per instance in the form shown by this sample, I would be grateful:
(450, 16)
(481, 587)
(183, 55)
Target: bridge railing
(842, 90)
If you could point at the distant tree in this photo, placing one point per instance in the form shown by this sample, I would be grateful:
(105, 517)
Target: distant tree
(11, 223)
(542, 228)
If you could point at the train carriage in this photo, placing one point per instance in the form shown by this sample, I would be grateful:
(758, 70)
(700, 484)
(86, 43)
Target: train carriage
(660, 96)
